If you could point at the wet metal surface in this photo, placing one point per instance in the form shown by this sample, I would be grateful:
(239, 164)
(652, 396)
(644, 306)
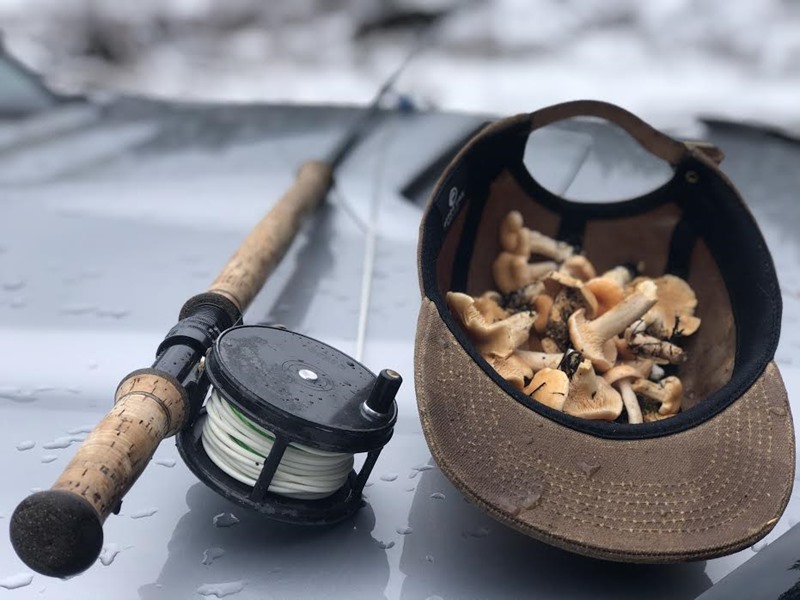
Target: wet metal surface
(98, 250)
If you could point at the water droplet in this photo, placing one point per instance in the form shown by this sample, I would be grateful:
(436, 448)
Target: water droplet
(225, 520)
(48, 458)
(758, 546)
(165, 462)
(81, 429)
(109, 553)
(62, 442)
(26, 445)
(12, 285)
(36, 490)
(16, 581)
(438, 496)
(410, 488)
(429, 558)
(114, 313)
(212, 554)
(385, 545)
(480, 532)
(389, 477)
(141, 514)
(777, 411)
(17, 303)
(404, 530)
(220, 590)
(588, 469)
(92, 365)
(423, 468)
(413, 474)
(434, 597)
(368, 484)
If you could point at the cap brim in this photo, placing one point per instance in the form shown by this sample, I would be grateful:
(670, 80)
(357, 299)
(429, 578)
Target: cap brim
(703, 492)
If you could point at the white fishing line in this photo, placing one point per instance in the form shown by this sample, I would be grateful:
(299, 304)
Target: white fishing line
(239, 447)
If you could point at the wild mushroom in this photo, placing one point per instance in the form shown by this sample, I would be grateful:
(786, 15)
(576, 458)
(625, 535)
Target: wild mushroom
(668, 393)
(571, 296)
(540, 360)
(623, 274)
(545, 246)
(498, 339)
(550, 387)
(594, 339)
(590, 397)
(579, 267)
(648, 346)
(674, 312)
(523, 298)
(514, 236)
(513, 271)
(488, 304)
(608, 292)
(512, 369)
(542, 304)
(620, 377)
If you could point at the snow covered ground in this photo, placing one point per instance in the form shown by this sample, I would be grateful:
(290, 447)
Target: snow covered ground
(667, 60)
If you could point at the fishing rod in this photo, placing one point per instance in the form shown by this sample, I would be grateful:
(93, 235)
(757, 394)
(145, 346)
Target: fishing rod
(280, 444)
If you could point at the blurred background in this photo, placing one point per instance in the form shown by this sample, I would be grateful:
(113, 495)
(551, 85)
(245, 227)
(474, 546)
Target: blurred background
(668, 60)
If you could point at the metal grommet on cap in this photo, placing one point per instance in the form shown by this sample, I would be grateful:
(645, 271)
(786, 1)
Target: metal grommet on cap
(692, 176)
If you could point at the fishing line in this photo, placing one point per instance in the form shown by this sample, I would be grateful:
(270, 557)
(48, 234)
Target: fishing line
(239, 447)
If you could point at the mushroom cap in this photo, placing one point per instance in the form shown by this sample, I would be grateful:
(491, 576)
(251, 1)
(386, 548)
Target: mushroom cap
(512, 369)
(488, 304)
(590, 397)
(607, 291)
(579, 267)
(620, 372)
(500, 338)
(674, 311)
(550, 387)
(512, 237)
(513, 271)
(668, 392)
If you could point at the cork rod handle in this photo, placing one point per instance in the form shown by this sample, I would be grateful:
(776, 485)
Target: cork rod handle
(59, 532)
(264, 247)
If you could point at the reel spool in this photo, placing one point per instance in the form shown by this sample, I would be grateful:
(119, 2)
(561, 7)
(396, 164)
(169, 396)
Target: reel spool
(318, 407)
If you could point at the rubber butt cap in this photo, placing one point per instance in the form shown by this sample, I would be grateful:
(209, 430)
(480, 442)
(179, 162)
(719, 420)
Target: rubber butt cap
(56, 533)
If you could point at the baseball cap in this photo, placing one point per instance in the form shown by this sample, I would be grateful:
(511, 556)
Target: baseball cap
(709, 481)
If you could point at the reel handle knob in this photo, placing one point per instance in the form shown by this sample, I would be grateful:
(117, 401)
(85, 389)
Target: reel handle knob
(59, 532)
(383, 392)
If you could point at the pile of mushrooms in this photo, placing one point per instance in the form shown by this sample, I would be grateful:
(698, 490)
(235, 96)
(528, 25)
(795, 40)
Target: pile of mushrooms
(596, 347)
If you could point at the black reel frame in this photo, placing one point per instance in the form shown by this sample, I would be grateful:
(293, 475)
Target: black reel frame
(303, 391)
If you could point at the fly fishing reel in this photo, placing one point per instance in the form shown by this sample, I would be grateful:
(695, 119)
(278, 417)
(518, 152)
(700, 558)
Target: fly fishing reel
(284, 416)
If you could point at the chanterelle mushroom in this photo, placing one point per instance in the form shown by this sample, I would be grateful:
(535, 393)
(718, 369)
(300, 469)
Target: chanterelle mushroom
(488, 304)
(608, 292)
(550, 387)
(513, 271)
(579, 267)
(621, 377)
(668, 393)
(594, 339)
(674, 311)
(540, 360)
(590, 397)
(498, 339)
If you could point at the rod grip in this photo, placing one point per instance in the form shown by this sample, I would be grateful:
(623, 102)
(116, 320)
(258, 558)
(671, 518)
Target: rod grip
(263, 248)
(59, 532)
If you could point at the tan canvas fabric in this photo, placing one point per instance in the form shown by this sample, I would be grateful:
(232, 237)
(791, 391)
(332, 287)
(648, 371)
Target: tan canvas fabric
(703, 492)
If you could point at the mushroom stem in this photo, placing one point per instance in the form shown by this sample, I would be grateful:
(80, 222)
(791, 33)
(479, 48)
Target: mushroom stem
(540, 360)
(513, 271)
(630, 401)
(618, 318)
(546, 246)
